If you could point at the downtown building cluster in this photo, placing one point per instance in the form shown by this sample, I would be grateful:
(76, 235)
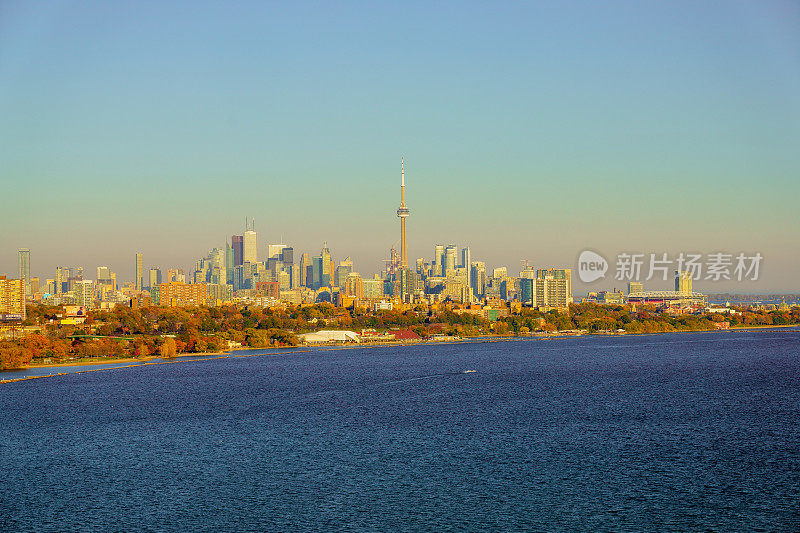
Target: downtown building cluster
(243, 272)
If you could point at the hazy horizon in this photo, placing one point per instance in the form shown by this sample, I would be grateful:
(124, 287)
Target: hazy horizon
(529, 132)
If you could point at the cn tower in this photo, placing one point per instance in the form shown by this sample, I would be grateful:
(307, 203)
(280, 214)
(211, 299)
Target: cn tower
(403, 213)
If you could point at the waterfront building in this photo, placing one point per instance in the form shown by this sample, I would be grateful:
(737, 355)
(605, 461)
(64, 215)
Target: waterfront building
(550, 289)
(12, 298)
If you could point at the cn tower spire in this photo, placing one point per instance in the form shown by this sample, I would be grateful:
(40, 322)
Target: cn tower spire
(403, 212)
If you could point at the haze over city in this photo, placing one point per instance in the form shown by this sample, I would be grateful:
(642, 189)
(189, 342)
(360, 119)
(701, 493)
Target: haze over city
(528, 132)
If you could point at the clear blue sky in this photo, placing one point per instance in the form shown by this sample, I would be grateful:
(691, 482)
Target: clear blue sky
(530, 130)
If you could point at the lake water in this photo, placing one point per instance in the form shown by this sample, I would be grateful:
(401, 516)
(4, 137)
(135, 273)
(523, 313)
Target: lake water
(662, 433)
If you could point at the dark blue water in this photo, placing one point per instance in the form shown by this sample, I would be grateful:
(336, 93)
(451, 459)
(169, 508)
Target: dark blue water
(671, 432)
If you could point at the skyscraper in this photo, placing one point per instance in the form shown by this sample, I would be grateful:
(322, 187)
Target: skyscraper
(275, 251)
(237, 244)
(139, 271)
(287, 255)
(438, 260)
(251, 244)
(305, 267)
(229, 264)
(250, 247)
(403, 212)
(155, 278)
(325, 268)
(342, 271)
(450, 260)
(466, 263)
(25, 267)
(84, 293)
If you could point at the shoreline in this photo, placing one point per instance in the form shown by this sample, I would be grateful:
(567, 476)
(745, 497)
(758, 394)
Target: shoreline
(135, 361)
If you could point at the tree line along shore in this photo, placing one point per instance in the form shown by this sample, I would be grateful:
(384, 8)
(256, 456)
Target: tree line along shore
(129, 333)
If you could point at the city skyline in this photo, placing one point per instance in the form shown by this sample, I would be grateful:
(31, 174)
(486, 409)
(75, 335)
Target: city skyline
(535, 136)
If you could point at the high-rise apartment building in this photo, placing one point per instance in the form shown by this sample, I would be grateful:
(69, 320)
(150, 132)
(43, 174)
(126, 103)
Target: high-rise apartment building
(353, 285)
(139, 271)
(551, 289)
(83, 292)
(59, 280)
(178, 294)
(372, 288)
(12, 297)
(25, 267)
